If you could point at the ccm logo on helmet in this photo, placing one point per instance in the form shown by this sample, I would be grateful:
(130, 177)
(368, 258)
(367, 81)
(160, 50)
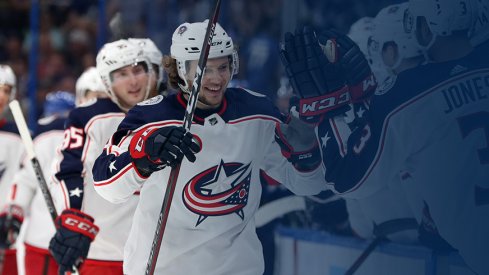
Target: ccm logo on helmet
(325, 103)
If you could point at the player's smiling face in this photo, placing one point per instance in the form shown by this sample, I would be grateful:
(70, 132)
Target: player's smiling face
(130, 84)
(214, 82)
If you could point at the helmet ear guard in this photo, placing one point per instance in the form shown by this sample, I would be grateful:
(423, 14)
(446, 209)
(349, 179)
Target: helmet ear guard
(186, 46)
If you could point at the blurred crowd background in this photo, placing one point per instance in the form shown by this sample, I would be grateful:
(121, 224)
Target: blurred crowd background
(70, 29)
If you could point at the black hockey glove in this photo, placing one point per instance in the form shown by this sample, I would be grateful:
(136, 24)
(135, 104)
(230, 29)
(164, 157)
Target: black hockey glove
(317, 81)
(298, 143)
(327, 72)
(352, 64)
(75, 231)
(10, 221)
(154, 149)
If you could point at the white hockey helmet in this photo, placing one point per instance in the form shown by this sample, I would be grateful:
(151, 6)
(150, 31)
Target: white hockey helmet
(443, 17)
(390, 29)
(153, 54)
(361, 33)
(89, 80)
(479, 32)
(187, 42)
(116, 55)
(7, 77)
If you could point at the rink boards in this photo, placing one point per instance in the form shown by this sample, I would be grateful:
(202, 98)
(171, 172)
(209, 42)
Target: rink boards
(311, 252)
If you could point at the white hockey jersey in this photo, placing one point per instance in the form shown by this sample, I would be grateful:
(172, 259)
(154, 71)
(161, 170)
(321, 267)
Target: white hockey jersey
(211, 227)
(10, 157)
(88, 129)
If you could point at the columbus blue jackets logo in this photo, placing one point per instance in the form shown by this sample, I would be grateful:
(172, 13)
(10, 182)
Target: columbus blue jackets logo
(220, 190)
(152, 101)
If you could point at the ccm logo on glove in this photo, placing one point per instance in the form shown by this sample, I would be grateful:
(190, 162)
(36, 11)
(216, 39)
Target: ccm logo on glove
(75, 224)
(318, 105)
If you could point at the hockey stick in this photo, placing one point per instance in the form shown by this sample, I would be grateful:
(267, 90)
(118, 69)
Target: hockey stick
(381, 232)
(29, 147)
(359, 261)
(187, 122)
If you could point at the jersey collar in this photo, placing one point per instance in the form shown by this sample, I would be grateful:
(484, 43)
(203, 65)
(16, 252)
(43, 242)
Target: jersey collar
(201, 114)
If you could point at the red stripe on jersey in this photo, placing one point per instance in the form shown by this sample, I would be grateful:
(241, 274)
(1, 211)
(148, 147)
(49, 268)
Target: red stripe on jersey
(255, 117)
(115, 177)
(14, 191)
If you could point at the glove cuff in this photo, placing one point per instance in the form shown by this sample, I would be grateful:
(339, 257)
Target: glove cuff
(137, 151)
(308, 160)
(364, 89)
(315, 106)
(77, 221)
(15, 210)
(137, 145)
(304, 160)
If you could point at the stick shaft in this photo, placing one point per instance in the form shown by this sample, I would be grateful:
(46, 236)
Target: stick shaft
(359, 261)
(29, 147)
(187, 122)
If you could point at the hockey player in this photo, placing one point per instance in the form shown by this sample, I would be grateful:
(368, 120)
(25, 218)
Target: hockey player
(127, 76)
(395, 51)
(10, 159)
(211, 227)
(427, 131)
(390, 48)
(89, 86)
(25, 195)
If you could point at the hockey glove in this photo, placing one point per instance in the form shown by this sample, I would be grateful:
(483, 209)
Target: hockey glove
(298, 143)
(353, 66)
(10, 221)
(75, 231)
(318, 82)
(154, 149)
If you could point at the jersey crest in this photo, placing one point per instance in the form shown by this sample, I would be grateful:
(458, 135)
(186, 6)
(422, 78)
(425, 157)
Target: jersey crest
(220, 190)
(152, 101)
(386, 85)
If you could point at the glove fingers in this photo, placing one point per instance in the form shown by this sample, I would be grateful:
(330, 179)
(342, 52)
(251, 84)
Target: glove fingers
(316, 61)
(289, 48)
(192, 143)
(188, 153)
(172, 154)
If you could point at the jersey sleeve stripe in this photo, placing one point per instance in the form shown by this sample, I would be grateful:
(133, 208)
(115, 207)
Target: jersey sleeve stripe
(115, 177)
